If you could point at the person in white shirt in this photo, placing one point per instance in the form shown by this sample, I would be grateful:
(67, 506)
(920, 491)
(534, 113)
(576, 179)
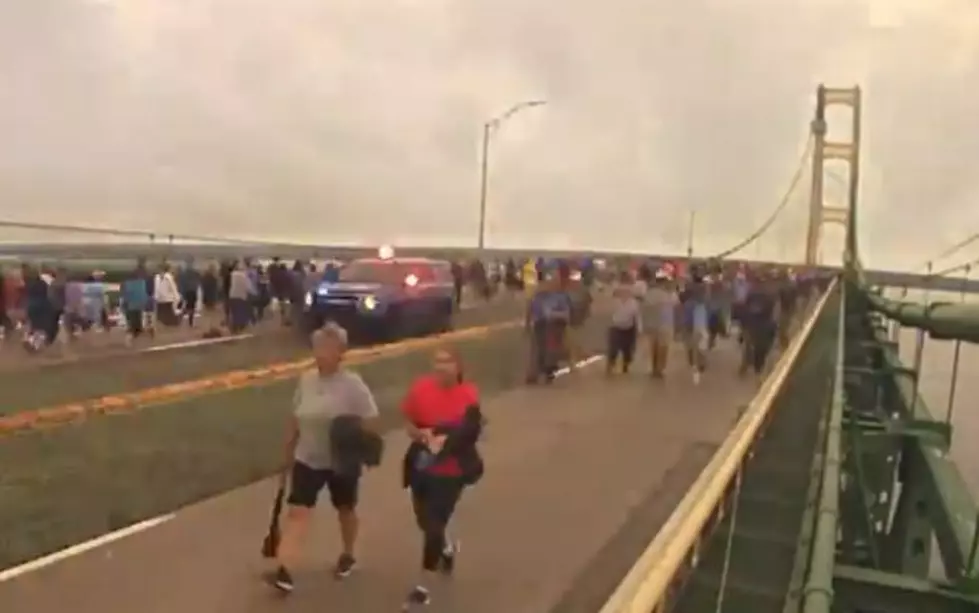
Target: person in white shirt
(165, 297)
(625, 325)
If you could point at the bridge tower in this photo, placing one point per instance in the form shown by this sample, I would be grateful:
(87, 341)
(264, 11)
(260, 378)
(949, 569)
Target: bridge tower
(821, 212)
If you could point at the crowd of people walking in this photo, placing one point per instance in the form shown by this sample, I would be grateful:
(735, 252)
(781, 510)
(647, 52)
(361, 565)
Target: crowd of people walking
(334, 431)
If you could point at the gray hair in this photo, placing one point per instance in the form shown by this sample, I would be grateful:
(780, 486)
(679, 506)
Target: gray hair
(330, 330)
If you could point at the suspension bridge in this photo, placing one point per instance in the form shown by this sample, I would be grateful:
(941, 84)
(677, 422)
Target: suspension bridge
(829, 486)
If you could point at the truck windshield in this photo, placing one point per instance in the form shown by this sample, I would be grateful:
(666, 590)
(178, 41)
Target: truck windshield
(374, 272)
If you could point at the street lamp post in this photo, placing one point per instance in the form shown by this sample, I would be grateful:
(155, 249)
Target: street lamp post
(690, 226)
(488, 129)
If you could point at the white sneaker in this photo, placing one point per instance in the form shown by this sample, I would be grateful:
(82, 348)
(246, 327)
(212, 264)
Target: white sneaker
(696, 377)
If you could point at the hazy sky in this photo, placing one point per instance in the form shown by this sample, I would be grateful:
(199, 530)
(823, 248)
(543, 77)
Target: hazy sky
(359, 120)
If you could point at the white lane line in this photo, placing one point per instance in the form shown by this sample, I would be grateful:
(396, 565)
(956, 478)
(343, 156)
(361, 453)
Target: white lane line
(201, 342)
(83, 547)
(587, 361)
(111, 537)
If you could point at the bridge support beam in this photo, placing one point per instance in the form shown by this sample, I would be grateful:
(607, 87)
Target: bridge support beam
(820, 213)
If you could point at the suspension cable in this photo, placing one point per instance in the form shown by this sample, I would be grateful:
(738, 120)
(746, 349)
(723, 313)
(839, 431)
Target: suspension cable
(951, 270)
(962, 244)
(786, 198)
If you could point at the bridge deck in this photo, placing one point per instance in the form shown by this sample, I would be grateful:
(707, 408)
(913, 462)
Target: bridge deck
(579, 478)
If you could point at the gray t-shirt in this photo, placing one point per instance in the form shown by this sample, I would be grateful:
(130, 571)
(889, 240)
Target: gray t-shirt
(660, 305)
(317, 401)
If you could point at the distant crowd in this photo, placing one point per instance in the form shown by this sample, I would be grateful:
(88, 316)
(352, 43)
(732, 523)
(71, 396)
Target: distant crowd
(44, 304)
(40, 305)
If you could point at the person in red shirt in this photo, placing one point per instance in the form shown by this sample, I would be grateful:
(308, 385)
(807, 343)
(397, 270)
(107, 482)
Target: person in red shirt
(444, 421)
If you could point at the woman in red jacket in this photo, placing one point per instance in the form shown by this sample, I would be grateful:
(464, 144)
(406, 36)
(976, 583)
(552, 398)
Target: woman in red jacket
(443, 420)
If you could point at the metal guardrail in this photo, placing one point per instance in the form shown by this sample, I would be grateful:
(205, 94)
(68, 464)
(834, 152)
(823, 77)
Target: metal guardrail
(655, 580)
(817, 595)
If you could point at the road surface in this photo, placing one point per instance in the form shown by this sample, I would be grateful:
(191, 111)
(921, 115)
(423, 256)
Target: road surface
(580, 475)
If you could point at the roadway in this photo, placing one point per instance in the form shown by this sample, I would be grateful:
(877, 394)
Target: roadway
(580, 476)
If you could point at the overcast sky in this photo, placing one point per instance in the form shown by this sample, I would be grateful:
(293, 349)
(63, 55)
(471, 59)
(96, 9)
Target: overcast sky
(359, 120)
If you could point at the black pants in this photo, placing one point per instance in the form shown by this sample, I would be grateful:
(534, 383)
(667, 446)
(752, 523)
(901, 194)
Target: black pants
(134, 322)
(54, 325)
(715, 328)
(434, 499)
(621, 343)
(189, 299)
(758, 346)
(547, 348)
(166, 315)
(306, 483)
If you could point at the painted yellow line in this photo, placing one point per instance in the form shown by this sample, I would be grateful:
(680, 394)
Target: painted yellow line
(237, 379)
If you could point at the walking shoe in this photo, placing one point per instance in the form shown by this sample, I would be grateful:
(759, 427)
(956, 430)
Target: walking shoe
(281, 580)
(447, 563)
(346, 564)
(418, 596)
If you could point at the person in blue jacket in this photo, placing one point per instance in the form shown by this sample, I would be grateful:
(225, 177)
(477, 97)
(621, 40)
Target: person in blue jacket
(135, 301)
(548, 317)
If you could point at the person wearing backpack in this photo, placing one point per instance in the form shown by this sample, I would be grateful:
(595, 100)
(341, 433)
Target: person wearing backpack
(548, 317)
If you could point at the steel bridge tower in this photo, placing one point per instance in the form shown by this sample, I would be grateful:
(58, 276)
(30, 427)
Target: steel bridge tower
(821, 212)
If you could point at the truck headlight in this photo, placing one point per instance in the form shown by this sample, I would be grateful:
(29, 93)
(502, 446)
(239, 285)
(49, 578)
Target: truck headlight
(370, 303)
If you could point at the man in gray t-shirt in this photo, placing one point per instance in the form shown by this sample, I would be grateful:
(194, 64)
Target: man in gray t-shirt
(318, 400)
(324, 394)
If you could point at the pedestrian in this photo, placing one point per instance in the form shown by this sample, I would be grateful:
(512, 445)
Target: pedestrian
(239, 299)
(788, 300)
(57, 298)
(546, 324)
(134, 303)
(210, 288)
(189, 284)
(38, 308)
(278, 288)
(581, 304)
(659, 319)
(694, 299)
(625, 325)
(444, 421)
(333, 428)
(759, 326)
(166, 296)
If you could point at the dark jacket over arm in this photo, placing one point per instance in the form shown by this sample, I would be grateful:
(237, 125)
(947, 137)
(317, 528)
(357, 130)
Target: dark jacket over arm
(353, 446)
(460, 443)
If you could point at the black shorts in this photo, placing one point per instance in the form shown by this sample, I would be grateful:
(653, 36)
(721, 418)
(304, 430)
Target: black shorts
(307, 482)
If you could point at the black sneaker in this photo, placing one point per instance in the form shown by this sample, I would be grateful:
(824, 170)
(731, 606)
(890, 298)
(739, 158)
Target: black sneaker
(418, 596)
(447, 563)
(281, 580)
(345, 565)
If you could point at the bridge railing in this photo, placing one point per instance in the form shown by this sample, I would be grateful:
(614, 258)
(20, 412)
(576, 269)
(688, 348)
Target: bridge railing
(817, 595)
(655, 581)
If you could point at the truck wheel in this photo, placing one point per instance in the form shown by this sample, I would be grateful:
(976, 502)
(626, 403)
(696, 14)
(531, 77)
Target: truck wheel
(394, 327)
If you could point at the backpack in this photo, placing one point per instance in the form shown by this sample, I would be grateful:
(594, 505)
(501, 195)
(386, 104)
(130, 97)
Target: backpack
(555, 307)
